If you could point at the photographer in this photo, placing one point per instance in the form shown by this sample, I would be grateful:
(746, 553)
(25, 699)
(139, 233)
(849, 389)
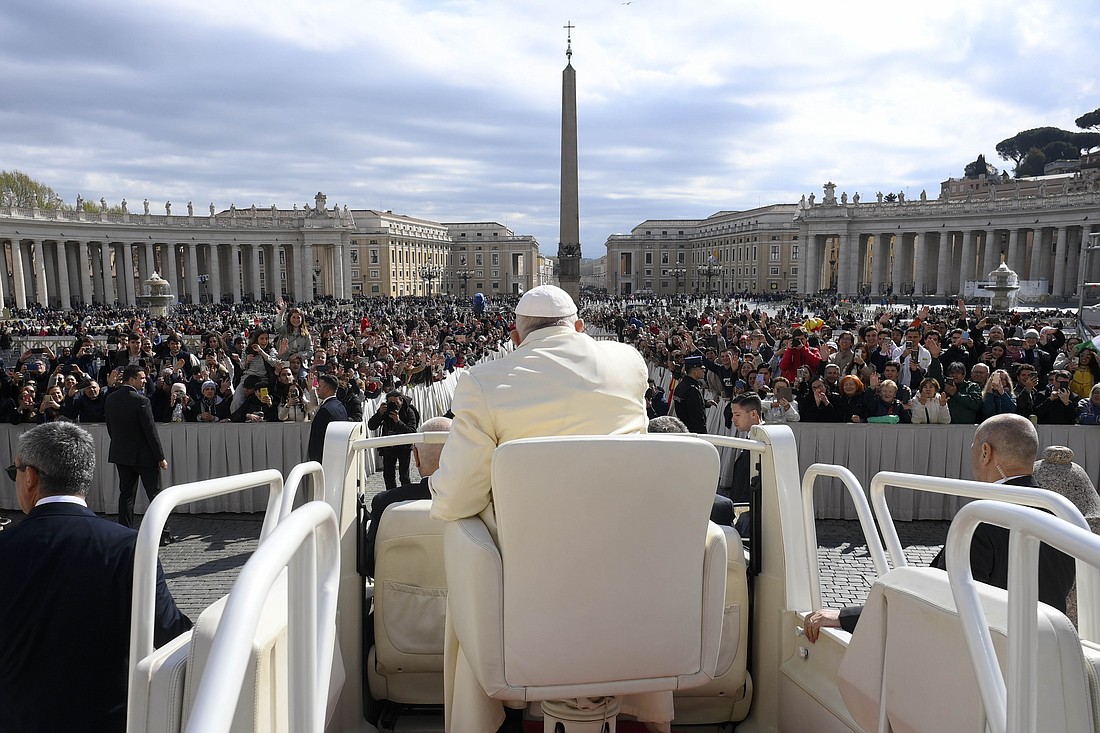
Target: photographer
(395, 416)
(1060, 405)
(964, 398)
(295, 408)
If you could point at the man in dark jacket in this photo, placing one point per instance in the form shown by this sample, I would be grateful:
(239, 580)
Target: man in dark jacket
(67, 577)
(688, 397)
(135, 444)
(395, 416)
(329, 410)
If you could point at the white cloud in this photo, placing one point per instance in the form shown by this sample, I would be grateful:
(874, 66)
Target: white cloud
(452, 109)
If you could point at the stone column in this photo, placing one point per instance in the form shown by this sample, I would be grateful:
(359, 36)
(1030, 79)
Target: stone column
(235, 271)
(83, 265)
(1060, 246)
(898, 275)
(95, 270)
(943, 265)
(921, 261)
(126, 275)
(1040, 253)
(992, 254)
(170, 267)
(307, 271)
(63, 274)
(148, 262)
(966, 269)
(275, 271)
(879, 262)
(256, 288)
(1073, 260)
(41, 292)
(341, 271)
(214, 266)
(813, 274)
(844, 260)
(1015, 262)
(193, 272)
(19, 280)
(109, 296)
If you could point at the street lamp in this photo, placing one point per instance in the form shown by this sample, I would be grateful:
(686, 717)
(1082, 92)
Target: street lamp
(429, 273)
(679, 273)
(709, 270)
(464, 275)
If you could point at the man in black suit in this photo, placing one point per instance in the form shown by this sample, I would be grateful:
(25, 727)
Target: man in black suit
(1003, 452)
(135, 445)
(67, 579)
(426, 456)
(328, 410)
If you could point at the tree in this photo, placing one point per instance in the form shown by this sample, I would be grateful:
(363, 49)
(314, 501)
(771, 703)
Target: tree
(25, 189)
(979, 168)
(1061, 150)
(1032, 164)
(1089, 120)
(1020, 145)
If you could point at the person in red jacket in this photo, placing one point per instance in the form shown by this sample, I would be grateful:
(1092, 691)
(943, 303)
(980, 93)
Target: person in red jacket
(799, 355)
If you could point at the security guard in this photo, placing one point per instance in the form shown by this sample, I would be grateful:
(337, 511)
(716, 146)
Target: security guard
(690, 406)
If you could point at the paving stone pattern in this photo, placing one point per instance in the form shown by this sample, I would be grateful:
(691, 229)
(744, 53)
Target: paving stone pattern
(203, 564)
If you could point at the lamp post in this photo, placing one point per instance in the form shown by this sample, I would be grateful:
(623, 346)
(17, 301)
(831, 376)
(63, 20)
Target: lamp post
(464, 275)
(709, 270)
(429, 273)
(679, 273)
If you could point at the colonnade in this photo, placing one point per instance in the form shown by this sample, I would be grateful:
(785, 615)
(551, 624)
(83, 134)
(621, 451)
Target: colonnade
(940, 261)
(61, 272)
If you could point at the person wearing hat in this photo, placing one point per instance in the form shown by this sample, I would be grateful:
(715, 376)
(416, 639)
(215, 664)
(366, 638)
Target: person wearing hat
(209, 407)
(557, 381)
(688, 397)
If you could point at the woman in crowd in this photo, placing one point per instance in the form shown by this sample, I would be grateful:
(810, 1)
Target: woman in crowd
(293, 333)
(295, 409)
(930, 405)
(819, 405)
(1086, 374)
(998, 395)
(850, 402)
(1088, 411)
(884, 402)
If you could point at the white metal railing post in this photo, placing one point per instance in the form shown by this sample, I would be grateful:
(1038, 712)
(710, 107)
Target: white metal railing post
(143, 603)
(1061, 507)
(863, 511)
(1028, 527)
(308, 543)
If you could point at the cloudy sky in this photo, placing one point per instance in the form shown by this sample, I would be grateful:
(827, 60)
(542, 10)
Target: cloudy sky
(450, 110)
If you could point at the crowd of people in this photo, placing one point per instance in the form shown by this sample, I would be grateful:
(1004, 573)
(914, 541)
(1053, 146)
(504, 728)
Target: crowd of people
(820, 361)
(814, 359)
(256, 362)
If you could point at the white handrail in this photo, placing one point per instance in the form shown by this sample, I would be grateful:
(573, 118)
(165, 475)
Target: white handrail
(308, 543)
(863, 511)
(1027, 495)
(387, 441)
(1028, 527)
(143, 603)
(316, 475)
(1088, 578)
(728, 441)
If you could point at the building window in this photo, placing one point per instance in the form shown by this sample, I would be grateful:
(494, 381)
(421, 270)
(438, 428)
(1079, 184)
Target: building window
(495, 273)
(649, 272)
(496, 259)
(357, 287)
(664, 284)
(794, 270)
(477, 259)
(496, 286)
(775, 253)
(794, 252)
(374, 274)
(261, 256)
(664, 258)
(774, 271)
(679, 258)
(355, 257)
(375, 289)
(354, 274)
(649, 258)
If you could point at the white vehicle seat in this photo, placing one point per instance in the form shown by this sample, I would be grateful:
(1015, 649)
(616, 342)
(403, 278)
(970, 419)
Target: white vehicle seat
(728, 696)
(405, 663)
(908, 655)
(606, 578)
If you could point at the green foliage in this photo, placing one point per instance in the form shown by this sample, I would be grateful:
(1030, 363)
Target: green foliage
(1089, 120)
(1020, 146)
(1032, 163)
(1061, 150)
(979, 167)
(24, 190)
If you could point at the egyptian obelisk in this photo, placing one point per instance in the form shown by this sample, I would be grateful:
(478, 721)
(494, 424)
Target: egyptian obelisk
(569, 232)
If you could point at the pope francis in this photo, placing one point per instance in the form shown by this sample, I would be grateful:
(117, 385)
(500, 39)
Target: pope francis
(558, 381)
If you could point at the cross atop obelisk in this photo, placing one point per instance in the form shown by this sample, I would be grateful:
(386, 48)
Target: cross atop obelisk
(569, 231)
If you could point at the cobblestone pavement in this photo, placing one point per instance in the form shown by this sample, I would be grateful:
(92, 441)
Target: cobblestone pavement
(203, 564)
